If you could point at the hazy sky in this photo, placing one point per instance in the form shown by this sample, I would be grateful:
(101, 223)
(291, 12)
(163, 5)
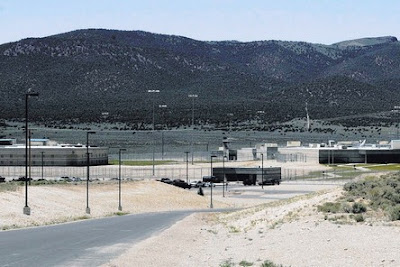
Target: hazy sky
(317, 21)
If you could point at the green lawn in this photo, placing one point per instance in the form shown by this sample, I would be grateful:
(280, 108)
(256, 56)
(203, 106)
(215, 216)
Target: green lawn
(142, 162)
(384, 167)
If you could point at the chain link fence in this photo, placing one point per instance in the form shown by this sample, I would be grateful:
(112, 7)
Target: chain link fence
(189, 172)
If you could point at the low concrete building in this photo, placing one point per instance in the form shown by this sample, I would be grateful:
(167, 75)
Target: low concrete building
(49, 153)
(349, 152)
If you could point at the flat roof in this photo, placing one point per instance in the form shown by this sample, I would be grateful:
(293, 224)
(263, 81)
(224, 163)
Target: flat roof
(50, 147)
(341, 148)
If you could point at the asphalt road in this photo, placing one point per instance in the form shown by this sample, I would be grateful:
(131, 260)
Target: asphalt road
(94, 242)
(84, 243)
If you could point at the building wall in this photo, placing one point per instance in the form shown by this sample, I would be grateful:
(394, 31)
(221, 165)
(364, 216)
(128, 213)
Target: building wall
(298, 154)
(333, 156)
(53, 156)
(359, 156)
(246, 154)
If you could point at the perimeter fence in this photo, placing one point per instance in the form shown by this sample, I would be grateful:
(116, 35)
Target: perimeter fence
(189, 172)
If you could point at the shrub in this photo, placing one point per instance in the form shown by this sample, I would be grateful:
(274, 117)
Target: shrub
(359, 208)
(382, 193)
(394, 213)
(359, 218)
(329, 207)
(227, 263)
(347, 208)
(352, 186)
(9, 186)
(245, 263)
(268, 263)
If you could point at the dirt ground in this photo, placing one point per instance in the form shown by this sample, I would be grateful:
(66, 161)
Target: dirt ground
(63, 203)
(288, 231)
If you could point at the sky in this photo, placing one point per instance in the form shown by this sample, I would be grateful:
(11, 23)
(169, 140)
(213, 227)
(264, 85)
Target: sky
(315, 21)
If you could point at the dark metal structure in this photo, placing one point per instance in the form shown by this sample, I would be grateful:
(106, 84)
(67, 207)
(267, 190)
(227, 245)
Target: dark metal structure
(249, 176)
(340, 156)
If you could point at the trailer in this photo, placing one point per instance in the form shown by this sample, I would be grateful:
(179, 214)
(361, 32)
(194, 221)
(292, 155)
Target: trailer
(249, 176)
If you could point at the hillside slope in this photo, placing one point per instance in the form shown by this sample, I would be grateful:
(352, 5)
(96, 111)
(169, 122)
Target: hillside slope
(83, 73)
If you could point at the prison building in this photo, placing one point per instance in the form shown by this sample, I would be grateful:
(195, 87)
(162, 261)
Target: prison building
(48, 153)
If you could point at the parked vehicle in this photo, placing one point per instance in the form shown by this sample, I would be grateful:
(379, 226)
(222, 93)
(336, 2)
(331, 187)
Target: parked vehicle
(182, 184)
(211, 179)
(76, 179)
(270, 182)
(197, 184)
(66, 179)
(22, 179)
(166, 180)
(208, 184)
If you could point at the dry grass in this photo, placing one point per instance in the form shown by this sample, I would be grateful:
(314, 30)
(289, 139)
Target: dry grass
(51, 204)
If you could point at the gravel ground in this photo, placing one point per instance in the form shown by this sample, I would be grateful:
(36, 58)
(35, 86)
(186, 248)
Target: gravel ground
(287, 232)
(62, 203)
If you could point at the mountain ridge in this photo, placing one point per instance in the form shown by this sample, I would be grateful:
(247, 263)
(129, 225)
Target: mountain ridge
(76, 71)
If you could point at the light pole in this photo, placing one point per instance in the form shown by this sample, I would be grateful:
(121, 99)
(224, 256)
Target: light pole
(42, 162)
(211, 182)
(187, 166)
(262, 169)
(154, 139)
(162, 132)
(224, 180)
(87, 172)
(192, 96)
(119, 179)
(30, 156)
(27, 209)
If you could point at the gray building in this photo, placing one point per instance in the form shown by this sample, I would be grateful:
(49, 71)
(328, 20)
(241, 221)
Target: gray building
(356, 152)
(49, 153)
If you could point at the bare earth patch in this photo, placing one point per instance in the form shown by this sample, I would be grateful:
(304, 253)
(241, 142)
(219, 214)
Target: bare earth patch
(289, 232)
(62, 203)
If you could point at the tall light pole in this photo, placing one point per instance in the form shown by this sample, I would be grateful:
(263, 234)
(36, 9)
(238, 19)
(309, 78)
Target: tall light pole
(87, 172)
(187, 166)
(154, 139)
(162, 132)
(30, 156)
(42, 162)
(192, 96)
(119, 179)
(27, 209)
(262, 169)
(211, 182)
(223, 171)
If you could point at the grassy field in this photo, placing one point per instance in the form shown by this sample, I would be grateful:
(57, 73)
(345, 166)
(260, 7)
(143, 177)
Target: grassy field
(372, 167)
(141, 162)
(384, 167)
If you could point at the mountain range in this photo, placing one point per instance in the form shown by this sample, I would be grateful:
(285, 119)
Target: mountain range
(83, 74)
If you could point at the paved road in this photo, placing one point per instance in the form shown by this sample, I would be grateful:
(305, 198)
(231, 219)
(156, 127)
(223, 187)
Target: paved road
(85, 243)
(94, 242)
